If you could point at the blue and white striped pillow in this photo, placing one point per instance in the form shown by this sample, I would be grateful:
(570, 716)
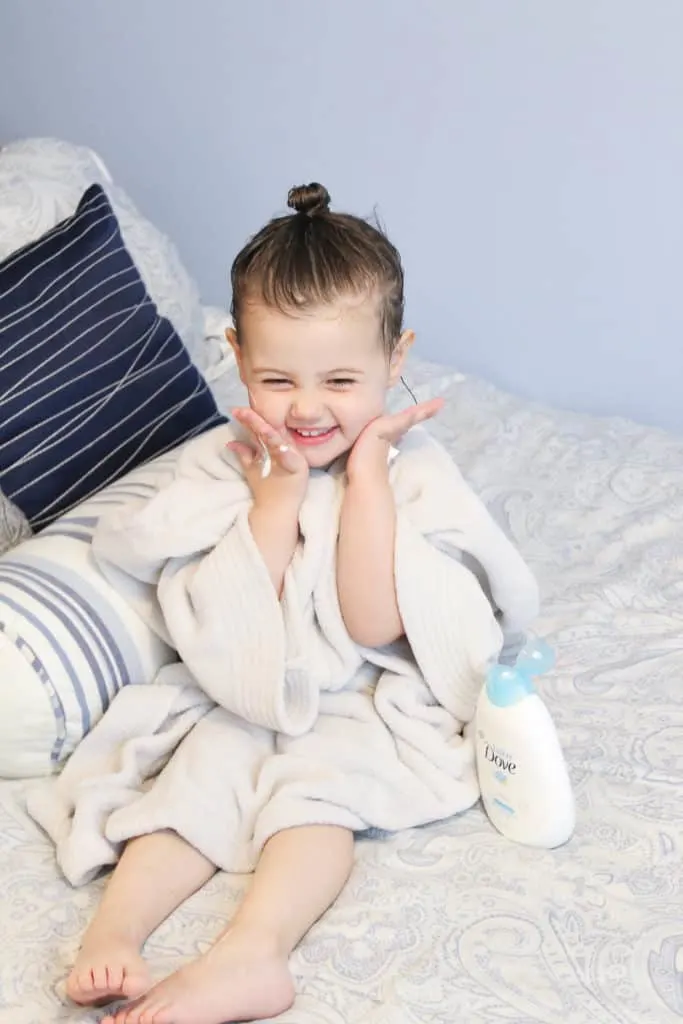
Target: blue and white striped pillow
(68, 640)
(93, 382)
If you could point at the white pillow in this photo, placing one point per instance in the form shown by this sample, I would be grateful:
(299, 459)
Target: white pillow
(42, 182)
(68, 640)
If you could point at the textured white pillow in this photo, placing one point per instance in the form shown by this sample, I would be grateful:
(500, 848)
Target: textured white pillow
(68, 639)
(42, 182)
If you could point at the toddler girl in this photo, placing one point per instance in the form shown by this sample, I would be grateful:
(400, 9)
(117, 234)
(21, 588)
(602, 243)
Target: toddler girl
(335, 593)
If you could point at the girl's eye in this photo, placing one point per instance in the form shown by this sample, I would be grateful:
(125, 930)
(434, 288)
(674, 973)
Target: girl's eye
(276, 382)
(342, 382)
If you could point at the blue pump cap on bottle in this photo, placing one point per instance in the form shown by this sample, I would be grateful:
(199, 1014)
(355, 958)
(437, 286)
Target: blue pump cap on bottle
(506, 686)
(535, 658)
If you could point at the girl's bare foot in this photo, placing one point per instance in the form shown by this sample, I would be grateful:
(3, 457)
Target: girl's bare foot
(240, 978)
(105, 971)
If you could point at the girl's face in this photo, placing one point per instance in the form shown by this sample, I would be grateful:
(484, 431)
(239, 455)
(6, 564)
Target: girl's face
(323, 374)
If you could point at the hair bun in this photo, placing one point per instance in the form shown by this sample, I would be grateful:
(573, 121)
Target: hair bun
(309, 199)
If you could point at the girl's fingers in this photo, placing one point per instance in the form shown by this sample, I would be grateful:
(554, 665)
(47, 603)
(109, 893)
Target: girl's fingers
(260, 428)
(283, 451)
(288, 458)
(244, 453)
(244, 414)
(253, 421)
(401, 422)
(425, 410)
(273, 446)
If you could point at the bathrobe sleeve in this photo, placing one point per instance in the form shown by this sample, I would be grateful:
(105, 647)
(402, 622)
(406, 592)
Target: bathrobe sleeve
(186, 559)
(463, 590)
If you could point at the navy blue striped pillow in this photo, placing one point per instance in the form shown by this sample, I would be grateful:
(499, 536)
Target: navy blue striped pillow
(93, 382)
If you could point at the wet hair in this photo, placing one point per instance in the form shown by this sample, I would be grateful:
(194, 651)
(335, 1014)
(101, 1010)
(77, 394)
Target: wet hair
(313, 257)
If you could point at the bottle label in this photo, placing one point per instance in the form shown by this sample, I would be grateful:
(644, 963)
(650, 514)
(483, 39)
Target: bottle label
(500, 759)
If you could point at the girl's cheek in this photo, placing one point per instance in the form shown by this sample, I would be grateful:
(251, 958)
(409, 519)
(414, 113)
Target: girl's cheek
(266, 404)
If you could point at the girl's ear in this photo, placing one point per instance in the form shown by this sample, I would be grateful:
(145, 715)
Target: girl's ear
(231, 338)
(399, 355)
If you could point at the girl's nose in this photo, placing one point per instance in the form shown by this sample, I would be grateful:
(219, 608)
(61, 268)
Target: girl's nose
(306, 408)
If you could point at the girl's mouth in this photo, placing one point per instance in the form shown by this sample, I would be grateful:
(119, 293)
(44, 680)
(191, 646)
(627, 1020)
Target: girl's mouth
(309, 438)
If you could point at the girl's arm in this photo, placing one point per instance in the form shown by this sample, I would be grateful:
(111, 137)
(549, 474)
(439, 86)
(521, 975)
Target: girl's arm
(365, 560)
(275, 529)
(367, 531)
(278, 494)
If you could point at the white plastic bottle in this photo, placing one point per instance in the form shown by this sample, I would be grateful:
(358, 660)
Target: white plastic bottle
(523, 777)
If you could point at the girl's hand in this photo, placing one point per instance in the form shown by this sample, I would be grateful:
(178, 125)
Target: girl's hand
(273, 467)
(370, 452)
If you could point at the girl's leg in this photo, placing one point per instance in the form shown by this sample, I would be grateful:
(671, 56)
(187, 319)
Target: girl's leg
(154, 875)
(245, 975)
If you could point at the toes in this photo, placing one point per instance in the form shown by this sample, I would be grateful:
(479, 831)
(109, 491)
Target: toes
(84, 984)
(149, 1012)
(134, 985)
(98, 978)
(115, 1018)
(135, 1014)
(122, 1017)
(79, 986)
(149, 1015)
(105, 981)
(114, 977)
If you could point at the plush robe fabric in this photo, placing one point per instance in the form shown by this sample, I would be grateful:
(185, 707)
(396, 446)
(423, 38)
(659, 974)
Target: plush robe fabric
(273, 717)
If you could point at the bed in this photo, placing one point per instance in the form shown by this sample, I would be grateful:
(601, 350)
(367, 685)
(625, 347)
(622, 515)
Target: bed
(452, 922)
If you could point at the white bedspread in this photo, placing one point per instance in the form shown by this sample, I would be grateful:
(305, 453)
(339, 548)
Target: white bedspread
(452, 923)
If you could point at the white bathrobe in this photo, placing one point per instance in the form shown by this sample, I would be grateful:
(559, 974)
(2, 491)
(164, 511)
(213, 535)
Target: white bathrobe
(273, 717)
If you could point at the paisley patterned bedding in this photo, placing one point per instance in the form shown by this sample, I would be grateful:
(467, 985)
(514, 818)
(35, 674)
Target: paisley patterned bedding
(451, 922)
